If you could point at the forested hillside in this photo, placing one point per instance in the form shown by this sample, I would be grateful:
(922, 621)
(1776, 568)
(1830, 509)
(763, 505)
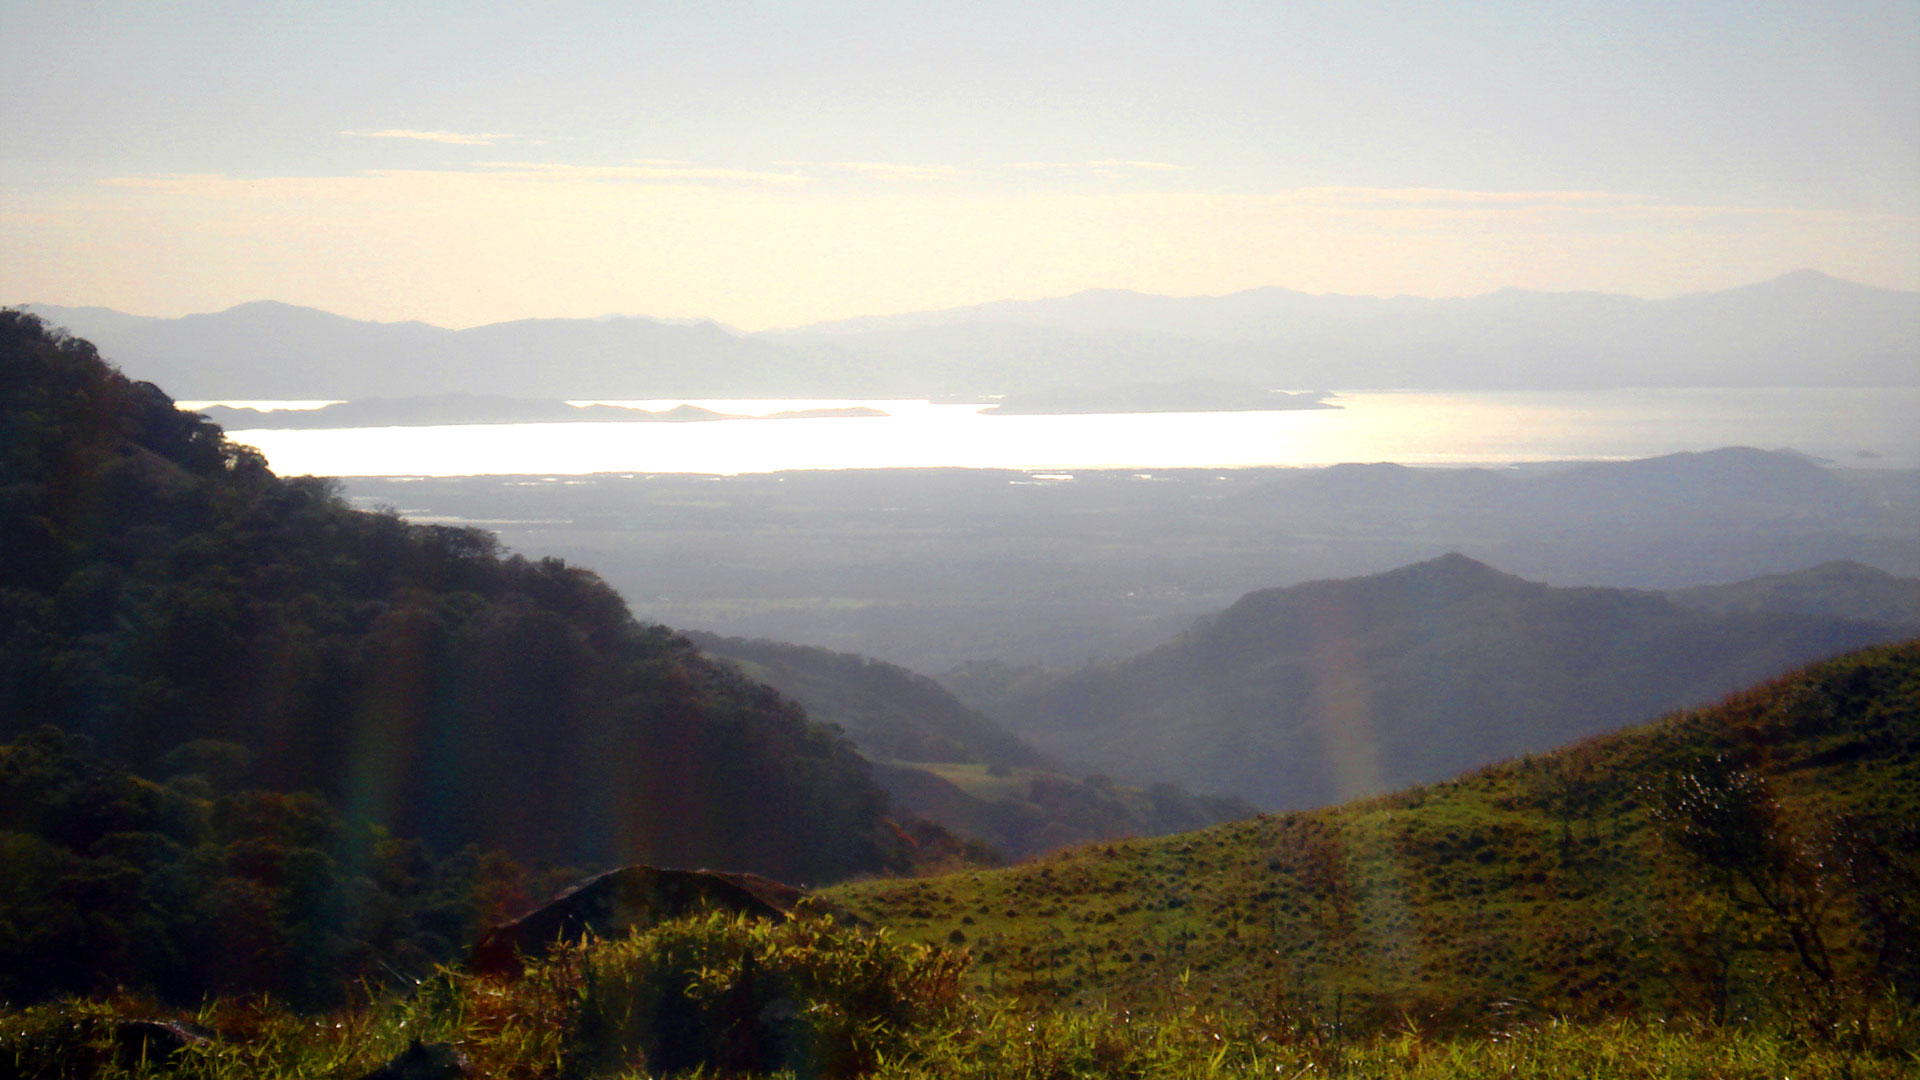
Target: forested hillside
(183, 886)
(161, 586)
(1306, 695)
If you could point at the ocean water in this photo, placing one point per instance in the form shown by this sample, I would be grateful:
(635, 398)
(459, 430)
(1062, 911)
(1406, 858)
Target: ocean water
(1870, 428)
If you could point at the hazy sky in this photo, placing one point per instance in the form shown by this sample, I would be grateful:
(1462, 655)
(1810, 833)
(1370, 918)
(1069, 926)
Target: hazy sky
(777, 163)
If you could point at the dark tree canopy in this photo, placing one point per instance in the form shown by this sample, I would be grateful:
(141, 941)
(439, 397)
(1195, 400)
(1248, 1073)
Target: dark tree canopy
(161, 586)
(183, 890)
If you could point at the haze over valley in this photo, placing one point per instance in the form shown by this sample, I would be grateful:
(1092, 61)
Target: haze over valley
(934, 568)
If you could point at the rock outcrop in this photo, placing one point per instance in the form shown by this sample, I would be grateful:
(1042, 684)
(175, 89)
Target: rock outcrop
(621, 901)
(423, 1061)
(150, 1043)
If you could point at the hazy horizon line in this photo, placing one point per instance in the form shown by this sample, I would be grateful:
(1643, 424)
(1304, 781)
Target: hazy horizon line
(790, 327)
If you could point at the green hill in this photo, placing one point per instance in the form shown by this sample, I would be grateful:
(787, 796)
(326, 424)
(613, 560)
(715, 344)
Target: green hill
(1336, 689)
(160, 586)
(1545, 883)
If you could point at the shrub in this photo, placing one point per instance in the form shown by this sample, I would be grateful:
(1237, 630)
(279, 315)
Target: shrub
(733, 995)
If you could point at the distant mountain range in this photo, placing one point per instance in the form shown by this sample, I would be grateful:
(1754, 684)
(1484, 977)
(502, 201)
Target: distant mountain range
(1803, 329)
(1333, 689)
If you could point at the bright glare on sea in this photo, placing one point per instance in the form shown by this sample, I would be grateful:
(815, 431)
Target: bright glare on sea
(1873, 427)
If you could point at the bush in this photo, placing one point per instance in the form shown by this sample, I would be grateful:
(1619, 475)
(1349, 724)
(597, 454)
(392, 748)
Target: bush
(731, 994)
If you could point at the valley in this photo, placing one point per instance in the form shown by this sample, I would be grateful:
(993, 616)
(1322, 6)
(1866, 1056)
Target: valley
(286, 749)
(932, 569)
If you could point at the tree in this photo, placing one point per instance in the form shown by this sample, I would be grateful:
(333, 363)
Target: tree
(1723, 816)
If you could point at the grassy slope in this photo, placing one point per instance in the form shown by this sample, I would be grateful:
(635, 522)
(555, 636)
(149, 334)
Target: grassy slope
(1538, 881)
(876, 1010)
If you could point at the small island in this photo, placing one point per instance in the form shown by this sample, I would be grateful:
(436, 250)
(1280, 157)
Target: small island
(450, 409)
(1192, 395)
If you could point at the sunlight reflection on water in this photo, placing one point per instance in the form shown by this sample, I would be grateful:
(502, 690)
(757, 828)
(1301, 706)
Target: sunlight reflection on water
(1851, 427)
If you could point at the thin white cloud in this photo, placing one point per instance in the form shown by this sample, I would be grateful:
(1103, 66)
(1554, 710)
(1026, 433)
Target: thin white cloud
(455, 138)
(888, 170)
(1456, 199)
(1154, 166)
(216, 183)
(650, 170)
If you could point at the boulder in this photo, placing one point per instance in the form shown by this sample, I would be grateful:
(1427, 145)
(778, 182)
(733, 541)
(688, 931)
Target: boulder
(153, 1042)
(423, 1061)
(621, 901)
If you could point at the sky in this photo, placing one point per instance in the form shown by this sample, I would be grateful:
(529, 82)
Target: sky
(774, 164)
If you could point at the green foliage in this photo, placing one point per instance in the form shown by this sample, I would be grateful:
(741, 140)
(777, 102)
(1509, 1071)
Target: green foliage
(112, 880)
(1009, 1043)
(865, 1007)
(734, 994)
(1727, 821)
(714, 993)
(161, 590)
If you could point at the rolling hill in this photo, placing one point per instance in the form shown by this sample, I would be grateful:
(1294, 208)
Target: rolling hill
(1551, 886)
(1302, 696)
(1843, 589)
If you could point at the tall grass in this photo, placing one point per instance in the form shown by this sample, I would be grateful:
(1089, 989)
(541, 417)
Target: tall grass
(720, 996)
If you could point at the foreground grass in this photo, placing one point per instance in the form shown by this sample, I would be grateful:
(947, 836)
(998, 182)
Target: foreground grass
(1013, 1044)
(994, 1041)
(718, 996)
